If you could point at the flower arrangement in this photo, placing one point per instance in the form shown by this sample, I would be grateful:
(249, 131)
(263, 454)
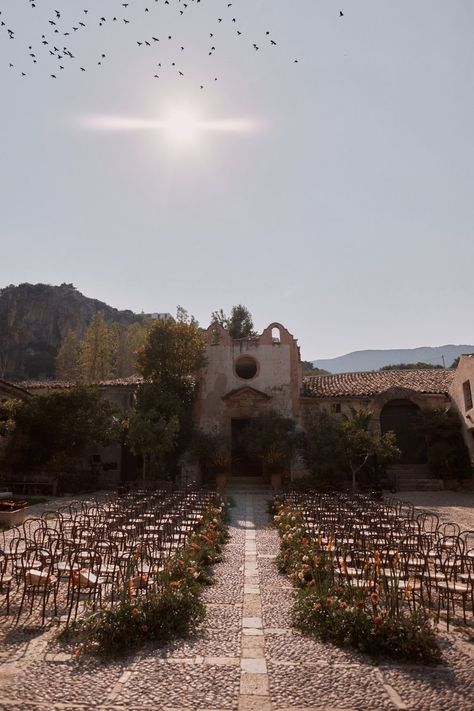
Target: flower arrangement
(368, 616)
(169, 608)
(11, 505)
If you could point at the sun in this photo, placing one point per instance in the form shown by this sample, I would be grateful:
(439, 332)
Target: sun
(182, 127)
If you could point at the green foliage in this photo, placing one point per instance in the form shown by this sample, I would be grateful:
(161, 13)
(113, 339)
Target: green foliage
(212, 450)
(337, 446)
(153, 424)
(448, 456)
(368, 617)
(309, 369)
(67, 358)
(130, 340)
(270, 437)
(49, 430)
(412, 366)
(159, 617)
(173, 353)
(348, 618)
(239, 323)
(161, 423)
(98, 351)
(171, 609)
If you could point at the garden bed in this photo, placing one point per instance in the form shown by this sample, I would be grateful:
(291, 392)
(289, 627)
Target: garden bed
(12, 512)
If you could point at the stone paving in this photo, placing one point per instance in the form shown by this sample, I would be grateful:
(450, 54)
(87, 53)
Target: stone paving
(454, 506)
(246, 657)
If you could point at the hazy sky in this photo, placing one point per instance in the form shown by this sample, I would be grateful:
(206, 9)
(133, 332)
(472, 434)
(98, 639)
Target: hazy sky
(344, 208)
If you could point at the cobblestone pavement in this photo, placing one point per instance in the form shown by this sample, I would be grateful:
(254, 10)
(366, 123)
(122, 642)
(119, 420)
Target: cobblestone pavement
(454, 506)
(245, 658)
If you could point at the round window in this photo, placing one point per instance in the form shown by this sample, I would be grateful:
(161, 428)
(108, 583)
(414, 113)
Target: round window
(246, 367)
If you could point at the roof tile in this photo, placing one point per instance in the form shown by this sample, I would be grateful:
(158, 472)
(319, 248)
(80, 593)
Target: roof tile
(431, 381)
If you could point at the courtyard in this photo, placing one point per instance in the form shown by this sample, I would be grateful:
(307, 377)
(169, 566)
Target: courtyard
(246, 655)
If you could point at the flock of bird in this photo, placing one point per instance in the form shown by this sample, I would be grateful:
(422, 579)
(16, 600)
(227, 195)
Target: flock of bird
(57, 44)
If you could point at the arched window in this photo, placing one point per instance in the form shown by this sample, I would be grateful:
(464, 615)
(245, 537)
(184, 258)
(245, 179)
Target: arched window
(276, 335)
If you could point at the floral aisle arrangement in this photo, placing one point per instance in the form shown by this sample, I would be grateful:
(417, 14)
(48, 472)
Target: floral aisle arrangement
(11, 505)
(371, 615)
(168, 608)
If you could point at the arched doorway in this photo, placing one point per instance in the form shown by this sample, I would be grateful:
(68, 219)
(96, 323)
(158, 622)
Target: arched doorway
(403, 418)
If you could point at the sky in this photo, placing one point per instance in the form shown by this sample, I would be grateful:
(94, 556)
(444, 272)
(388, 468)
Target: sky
(334, 194)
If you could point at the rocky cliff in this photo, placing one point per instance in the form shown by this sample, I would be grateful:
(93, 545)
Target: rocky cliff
(34, 319)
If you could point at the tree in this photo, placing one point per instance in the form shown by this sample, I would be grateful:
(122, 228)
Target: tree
(129, 340)
(455, 362)
(67, 357)
(153, 425)
(358, 444)
(270, 437)
(448, 456)
(412, 366)
(173, 353)
(239, 323)
(98, 351)
(309, 369)
(341, 446)
(171, 360)
(46, 430)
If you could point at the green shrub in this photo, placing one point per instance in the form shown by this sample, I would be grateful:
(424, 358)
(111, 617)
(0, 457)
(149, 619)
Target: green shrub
(350, 621)
(369, 618)
(172, 608)
(160, 616)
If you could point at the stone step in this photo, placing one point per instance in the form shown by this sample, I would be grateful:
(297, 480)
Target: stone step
(409, 471)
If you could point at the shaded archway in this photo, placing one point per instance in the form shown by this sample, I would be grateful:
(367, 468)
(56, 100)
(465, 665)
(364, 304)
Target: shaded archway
(403, 418)
(243, 464)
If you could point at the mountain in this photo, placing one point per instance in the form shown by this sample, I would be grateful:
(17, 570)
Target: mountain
(34, 319)
(360, 361)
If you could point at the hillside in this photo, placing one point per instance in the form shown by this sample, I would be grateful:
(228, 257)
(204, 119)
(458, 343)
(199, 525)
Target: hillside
(360, 361)
(34, 319)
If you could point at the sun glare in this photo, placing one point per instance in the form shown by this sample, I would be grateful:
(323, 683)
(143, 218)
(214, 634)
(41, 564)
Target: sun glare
(182, 127)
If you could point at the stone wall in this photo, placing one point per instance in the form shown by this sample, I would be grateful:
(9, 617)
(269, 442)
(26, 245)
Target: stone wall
(275, 385)
(463, 383)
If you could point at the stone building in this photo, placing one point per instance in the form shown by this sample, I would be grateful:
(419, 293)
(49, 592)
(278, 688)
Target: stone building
(247, 376)
(461, 392)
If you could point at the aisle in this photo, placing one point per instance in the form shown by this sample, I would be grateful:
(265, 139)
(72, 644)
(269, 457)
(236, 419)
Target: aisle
(246, 657)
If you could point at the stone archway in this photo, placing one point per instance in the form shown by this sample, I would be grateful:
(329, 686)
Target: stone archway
(402, 416)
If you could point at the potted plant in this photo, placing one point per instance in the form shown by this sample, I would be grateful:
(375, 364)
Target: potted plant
(270, 437)
(213, 453)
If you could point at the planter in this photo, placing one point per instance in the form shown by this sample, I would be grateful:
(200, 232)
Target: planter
(276, 480)
(13, 518)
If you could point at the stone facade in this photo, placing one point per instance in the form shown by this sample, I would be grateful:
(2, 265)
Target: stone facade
(247, 376)
(462, 392)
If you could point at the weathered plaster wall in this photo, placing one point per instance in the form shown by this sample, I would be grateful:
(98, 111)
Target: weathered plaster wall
(464, 373)
(277, 381)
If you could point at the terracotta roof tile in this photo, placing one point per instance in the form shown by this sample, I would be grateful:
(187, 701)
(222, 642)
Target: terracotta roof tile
(371, 384)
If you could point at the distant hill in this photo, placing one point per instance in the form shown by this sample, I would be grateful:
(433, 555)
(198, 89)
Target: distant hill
(360, 361)
(34, 319)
